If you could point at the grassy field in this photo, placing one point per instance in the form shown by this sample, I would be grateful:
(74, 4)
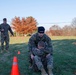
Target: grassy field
(64, 56)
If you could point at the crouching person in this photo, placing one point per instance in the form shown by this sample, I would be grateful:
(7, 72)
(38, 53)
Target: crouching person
(38, 52)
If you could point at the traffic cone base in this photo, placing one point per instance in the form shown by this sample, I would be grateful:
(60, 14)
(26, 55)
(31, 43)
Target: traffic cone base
(15, 69)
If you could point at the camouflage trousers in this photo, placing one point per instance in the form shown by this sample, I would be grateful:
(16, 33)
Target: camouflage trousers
(6, 40)
(39, 61)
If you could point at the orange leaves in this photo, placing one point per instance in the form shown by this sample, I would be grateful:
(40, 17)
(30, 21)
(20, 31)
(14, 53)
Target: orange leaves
(24, 26)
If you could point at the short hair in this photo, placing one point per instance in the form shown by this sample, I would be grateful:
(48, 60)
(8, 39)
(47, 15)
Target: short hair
(41, 43)
(4, 19)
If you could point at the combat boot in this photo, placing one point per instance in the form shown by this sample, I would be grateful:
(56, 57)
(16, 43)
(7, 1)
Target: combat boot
(43, 72)
(50, 70)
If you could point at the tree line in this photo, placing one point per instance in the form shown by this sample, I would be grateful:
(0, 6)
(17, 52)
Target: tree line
(26, 26)
(67, 30)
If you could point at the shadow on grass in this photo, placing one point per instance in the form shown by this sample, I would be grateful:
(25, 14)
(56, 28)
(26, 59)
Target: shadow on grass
(64, 58)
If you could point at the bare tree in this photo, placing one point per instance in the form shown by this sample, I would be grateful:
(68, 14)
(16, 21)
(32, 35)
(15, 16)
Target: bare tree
(67, 30)
(74, 22)
(55, 27)
(73, 25)
(55, 30)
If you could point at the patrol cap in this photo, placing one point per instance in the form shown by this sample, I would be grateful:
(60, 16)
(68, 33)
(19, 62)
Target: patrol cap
(41, 29)
(4, 19)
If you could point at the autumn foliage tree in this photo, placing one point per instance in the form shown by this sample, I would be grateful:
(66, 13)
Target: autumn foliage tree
(16, 24)
(55, 30)
(24, 25)
(67, 30)
(31, 24)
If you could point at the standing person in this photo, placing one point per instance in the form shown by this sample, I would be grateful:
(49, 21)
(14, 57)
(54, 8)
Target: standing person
(48, 50)
(4, 28)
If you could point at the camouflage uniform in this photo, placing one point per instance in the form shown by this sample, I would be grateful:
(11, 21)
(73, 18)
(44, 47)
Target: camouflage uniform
(5, 35)
(39, 55)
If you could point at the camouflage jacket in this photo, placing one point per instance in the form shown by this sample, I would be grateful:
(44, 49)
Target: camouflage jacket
(6, 29)
(33, 42)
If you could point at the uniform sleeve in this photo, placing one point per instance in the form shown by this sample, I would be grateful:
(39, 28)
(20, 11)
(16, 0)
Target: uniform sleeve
(31, 43)
(37, 52)
(32, 47)
(11, 30)
(49, 47)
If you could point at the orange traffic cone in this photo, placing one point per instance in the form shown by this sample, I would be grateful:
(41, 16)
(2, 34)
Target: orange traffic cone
(15, 69)
(18, 52)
